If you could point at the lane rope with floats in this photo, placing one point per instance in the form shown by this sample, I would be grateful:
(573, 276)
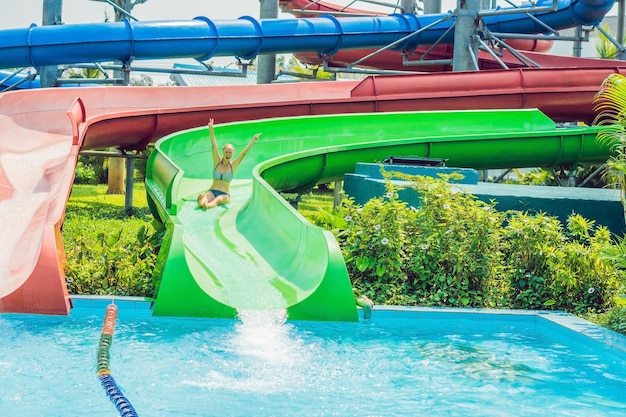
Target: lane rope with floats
(116, 396)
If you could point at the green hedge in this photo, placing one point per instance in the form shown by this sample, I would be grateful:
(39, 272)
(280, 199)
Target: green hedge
(455, 250)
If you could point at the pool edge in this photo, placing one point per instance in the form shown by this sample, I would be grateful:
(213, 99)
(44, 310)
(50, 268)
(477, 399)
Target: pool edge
(142, 305)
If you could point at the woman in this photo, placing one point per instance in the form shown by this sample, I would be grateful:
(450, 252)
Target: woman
(223, 171)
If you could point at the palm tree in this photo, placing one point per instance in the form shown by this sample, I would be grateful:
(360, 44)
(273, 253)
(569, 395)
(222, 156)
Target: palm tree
(610, 107)
(605, 48)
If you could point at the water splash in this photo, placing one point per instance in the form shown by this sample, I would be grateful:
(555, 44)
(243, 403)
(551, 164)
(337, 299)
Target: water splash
(264, 334)
(265, 355)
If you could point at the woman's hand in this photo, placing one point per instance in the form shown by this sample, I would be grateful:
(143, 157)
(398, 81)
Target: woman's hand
(210, 124)
(256, 137)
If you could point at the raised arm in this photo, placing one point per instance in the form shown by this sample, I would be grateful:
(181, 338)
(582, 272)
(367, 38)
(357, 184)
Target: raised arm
(216, 154)
(245, 150)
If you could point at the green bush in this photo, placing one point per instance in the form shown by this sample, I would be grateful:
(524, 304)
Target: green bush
(84, 174)
(535, 176)
(556, 268)
(454, 250)
(108, 252)
(613, 319)
(430, 255)
(114, 262)
(455, 257)
(374, 244)
(91, 170)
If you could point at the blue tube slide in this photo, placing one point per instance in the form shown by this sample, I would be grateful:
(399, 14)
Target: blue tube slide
(247, 37)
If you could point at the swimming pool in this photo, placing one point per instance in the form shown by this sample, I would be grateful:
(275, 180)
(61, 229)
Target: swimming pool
(404, 361)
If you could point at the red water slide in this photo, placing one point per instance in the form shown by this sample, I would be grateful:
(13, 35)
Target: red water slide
(564, 94)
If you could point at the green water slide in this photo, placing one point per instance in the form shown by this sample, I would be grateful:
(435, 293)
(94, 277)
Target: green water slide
(258, 252)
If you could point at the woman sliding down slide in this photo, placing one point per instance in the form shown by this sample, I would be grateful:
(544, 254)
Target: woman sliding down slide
(223, 172)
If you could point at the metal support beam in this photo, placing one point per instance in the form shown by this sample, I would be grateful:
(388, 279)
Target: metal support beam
(620, 29)
(409, 6)
(130, 181)
(432, 6)
(266, 63)
(130, 173)
(51, 16)
(466, 28)
(577, 48)
(337, 194)
(593, 175)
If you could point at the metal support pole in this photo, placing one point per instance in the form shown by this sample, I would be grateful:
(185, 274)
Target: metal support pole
(593, 175)
(571, 178)
(465, 48)
(130, 176)
(409, 6)
(577, 48)
(51, 16)
(266, 63)
(502, 175)
(432, 6)
(620, 28)
(337, 194)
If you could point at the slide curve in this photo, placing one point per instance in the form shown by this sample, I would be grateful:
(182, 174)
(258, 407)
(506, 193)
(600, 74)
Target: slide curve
(48, 127)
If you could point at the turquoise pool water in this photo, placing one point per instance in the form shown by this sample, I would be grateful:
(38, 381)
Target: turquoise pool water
(403, 362)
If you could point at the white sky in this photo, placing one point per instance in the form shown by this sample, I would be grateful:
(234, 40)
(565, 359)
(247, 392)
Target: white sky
(21, 13)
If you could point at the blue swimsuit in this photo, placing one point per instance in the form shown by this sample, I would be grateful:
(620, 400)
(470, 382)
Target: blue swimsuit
(228, 177)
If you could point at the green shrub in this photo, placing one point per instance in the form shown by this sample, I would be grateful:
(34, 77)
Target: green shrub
(556, 268)
(527, 241)
(113, 262)
(535, 176)
(374, 244)
(613, 319)
(433, 255)
(455, 257)
(91, 170)
(108, 252)
(454, 250)
(84, 174)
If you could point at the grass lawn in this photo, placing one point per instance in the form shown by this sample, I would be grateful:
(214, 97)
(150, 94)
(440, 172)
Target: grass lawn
(91, 210)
